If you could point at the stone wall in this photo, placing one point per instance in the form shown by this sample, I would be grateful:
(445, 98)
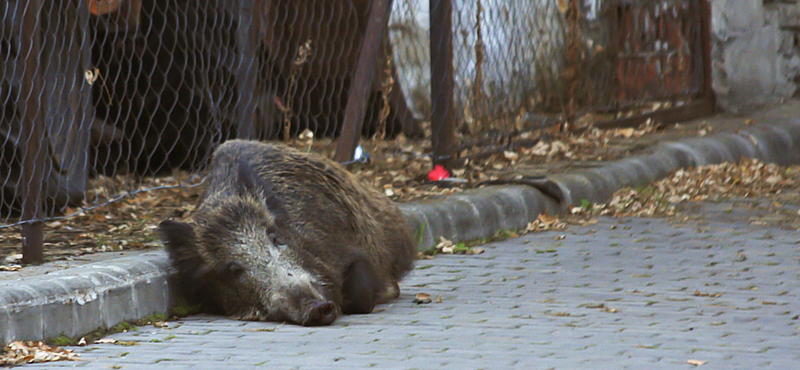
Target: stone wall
(756, 55)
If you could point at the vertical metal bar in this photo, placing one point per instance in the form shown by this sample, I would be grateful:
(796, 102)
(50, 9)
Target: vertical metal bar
(356, 109)
(442, 114)
(705, 37)
(85, 112)
(69, 112)
(32, 132)
(574, 70)
(246, 70)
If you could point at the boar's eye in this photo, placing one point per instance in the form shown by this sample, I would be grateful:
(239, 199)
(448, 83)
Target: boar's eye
(272, 233)
(232, 269)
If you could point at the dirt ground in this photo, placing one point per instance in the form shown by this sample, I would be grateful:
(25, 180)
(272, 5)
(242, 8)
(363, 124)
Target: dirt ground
(398, 169)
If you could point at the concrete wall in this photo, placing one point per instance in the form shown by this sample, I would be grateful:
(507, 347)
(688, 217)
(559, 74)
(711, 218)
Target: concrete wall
(756, 58)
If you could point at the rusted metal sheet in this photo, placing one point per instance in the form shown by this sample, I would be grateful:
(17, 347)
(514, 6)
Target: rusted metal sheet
(657, 50)
(664, 54)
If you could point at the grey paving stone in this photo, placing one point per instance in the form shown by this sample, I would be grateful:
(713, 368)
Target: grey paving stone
(669, 293)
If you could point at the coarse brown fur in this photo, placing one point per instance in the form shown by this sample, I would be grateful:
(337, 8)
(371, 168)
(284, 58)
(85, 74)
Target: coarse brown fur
(283, 235)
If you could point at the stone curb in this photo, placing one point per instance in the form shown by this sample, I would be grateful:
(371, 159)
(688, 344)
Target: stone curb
(100, 295)
(79, 300)
(778, 144)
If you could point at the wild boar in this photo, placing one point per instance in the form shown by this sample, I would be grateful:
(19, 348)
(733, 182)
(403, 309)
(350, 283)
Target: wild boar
(282, 235)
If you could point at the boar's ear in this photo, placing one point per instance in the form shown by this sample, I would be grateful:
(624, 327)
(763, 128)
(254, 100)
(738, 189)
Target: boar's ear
(247, 179)
(182, 246)
(250, 183)
(275, 205)
(360, 287)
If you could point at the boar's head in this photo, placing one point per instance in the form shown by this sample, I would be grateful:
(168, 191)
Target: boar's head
(239, 260)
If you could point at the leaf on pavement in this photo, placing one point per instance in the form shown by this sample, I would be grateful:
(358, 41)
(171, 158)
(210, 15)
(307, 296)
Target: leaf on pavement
(422, 298)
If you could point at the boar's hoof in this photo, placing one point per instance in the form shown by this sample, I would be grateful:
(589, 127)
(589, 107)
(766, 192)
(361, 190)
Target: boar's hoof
(360, 287)
(323, 313)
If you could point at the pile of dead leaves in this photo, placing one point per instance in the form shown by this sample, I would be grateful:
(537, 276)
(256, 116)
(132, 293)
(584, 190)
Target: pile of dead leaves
(19, 352)
(749, 178)
(545, 222)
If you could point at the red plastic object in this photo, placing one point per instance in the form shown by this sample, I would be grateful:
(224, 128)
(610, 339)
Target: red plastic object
(438, 173)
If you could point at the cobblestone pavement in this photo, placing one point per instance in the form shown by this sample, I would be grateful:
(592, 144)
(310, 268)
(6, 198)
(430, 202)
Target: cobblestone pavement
(629, 293)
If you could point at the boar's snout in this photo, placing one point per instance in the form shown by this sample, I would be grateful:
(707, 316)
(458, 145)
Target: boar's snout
(322, 313)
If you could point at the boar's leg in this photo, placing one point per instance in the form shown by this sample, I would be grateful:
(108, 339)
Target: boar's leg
(360, 287)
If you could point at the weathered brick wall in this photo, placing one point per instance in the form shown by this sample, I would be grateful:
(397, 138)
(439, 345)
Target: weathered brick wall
(756, 53)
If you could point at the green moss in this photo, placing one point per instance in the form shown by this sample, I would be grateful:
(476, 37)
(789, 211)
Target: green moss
(156, 317)
(124, 327)
(101, 333)
(64, 341)
(183, 310)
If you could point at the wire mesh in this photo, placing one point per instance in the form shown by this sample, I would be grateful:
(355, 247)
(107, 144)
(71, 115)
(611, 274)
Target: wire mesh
(133, 95)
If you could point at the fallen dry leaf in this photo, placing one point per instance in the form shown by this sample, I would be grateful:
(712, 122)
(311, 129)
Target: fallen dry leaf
(19, 352)
(422, 298)
(117, 342)
(544, 222)
(696, 362)
(625, 132)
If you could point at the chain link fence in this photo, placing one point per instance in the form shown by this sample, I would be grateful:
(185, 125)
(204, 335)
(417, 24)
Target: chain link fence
(102, 99)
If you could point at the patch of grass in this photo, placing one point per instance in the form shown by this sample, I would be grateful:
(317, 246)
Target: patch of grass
(125, 327)
(64, 341)
(501, 235)
(461, 247)
(430, 251)
(156, 317)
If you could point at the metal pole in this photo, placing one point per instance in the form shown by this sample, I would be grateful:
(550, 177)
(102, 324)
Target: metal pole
(31, 102)
(442, 115)
(362, 82)
(705, 37)
(246, 39)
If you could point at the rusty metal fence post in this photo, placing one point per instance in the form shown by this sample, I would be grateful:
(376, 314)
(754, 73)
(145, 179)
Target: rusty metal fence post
(31, 102)
(356, 109)
(442, 113)
(705, 40)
